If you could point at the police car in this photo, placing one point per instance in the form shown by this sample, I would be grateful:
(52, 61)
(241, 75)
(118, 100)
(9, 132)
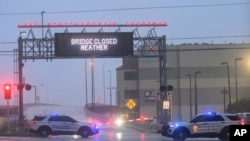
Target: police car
(203, 125)
(45, 125)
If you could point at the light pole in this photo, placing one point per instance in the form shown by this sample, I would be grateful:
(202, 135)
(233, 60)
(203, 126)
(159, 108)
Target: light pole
(228, 80)
(104, 93)
(92, 80)
(110, 88)
(236, 83)
(195, 91)
(86, 82)
(224, 92)
(35, 94)
(190, 94)
(117, 101)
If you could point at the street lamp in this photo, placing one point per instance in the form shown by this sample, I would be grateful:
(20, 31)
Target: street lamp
(86, 82)
(228, 80)
(190, 94)
(92, 78)
(236, 83)
(117, 100)
(104, 93)
(110, 88)
(195, 91)
(35, 94)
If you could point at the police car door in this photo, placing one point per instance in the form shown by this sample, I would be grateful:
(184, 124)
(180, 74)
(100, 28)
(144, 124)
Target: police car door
(55, 123)
(206, 124)
(70, 123)
(60, 124)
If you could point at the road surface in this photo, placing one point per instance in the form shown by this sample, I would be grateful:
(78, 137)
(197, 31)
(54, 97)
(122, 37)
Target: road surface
(107, 133)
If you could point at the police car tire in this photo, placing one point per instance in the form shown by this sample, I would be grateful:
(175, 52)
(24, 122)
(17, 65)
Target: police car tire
(44, 131)
(163, 131)
(224, 134)
(180, 134)
(84, 132)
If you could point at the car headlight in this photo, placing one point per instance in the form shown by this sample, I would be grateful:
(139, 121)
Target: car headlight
(119, 122)
(171, 125)
(174, 125)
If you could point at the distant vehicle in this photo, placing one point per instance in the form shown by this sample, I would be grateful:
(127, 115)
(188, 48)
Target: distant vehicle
(45, 125)
(245, 116)
(209, 125)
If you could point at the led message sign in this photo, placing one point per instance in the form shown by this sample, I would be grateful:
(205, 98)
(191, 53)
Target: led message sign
(115, 44)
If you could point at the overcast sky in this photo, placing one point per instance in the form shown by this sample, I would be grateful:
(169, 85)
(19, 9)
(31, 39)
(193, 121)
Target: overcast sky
(62, 81)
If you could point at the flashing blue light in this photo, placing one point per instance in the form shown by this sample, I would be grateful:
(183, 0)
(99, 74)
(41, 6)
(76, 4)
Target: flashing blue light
(97, 127)
(176, 124)
(211, 113)
(54, 114)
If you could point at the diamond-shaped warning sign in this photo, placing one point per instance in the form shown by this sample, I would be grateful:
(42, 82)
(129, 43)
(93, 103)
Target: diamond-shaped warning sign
(130, 104)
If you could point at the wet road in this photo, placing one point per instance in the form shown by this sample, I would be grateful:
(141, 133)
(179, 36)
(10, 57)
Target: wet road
(107, 133)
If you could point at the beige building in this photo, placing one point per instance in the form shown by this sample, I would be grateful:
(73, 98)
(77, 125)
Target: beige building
(138, 79)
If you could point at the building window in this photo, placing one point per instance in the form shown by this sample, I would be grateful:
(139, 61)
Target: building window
(131, 94)
(130, 75)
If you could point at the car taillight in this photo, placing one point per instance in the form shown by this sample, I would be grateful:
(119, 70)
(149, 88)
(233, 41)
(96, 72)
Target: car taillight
(242, 122)
(32, 123)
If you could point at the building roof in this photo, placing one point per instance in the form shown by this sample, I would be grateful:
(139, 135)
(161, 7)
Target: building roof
(127, 67)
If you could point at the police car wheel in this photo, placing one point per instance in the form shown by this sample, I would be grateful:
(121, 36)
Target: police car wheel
(224, 134)
(84, 132)
(44, 131)
(163, 131)
(180, 135)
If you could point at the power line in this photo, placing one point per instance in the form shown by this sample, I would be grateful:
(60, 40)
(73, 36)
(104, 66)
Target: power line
(147, 8)
(126, 9)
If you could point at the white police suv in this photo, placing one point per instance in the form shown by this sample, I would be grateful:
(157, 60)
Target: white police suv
(61, 124)
(203, 125)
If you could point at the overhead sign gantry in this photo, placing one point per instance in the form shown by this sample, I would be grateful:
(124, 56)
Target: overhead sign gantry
(91, 45)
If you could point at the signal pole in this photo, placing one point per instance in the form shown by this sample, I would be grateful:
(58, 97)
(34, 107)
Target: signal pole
(20, 79)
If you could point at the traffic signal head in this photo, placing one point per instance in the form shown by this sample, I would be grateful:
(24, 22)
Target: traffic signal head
(7, 91)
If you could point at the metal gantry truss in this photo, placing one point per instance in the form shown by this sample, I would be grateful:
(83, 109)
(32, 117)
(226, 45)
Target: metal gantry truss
(43, 48)
(32, 48)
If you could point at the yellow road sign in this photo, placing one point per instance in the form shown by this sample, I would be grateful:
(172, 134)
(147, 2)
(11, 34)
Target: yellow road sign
(123, 115)
(166, 104)
(130, 104)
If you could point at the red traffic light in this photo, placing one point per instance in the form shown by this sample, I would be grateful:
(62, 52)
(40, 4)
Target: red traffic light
(7, 91)
(7, 87)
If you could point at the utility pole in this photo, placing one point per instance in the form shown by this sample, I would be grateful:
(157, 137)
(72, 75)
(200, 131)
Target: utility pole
(20, 79)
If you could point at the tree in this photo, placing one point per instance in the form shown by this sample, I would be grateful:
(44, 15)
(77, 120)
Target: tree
(242, 106)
